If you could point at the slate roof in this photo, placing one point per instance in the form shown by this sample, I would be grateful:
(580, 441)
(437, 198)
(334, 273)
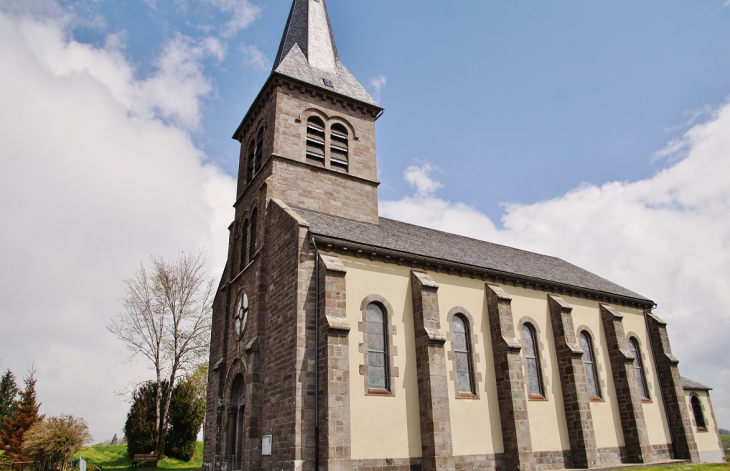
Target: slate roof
(690, 384)
(309, 63)
(437, 245)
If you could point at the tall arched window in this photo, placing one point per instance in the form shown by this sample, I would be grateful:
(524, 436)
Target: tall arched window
(639, 368)
(462, 355)
(315, 139)
(338, 146)
(589, 361)
(259, 148)
(236, 409)
(244, 245)
(697, 411)
(252, 241)
(377, 347)
(250, 161)
(534, 376)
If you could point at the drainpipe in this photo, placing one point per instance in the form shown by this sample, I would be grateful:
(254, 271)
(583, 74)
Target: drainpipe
(316, 355)
(661, 387)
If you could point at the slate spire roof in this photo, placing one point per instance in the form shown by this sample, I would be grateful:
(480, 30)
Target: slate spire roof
(308, 52)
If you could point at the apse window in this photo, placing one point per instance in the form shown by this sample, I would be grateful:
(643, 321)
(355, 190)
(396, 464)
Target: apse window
(339, 152)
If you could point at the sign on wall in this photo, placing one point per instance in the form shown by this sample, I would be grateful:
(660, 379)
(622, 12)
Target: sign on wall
(266, 445)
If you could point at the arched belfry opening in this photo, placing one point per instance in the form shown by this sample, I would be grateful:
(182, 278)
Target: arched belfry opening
(236, 414)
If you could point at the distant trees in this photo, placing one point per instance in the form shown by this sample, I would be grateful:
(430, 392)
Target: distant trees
(51, 443)
(8, 395)
(114, 440)
(724, 431)
(25, 415)
(166, 320)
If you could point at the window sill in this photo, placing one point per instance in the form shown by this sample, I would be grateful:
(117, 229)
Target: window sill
(379, 392)
(462, 395)
(646, 401)
(536, 397)
(701, 429)
(597, 399)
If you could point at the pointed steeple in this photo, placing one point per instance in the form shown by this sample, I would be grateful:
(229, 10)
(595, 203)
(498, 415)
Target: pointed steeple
(308, 52)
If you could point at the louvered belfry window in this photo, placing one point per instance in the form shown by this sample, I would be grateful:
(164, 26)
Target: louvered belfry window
(589, 361)
(250, 161)
(259, 148)
(339, 154)
(462, 355)
(377, 348)
(315, 139)
(639, 368)
(534, 377)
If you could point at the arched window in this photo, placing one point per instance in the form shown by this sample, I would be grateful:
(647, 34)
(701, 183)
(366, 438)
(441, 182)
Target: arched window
(697, 410)
(377, 347)
(639, 368)
(590, 364)
(315, 139)
(338, 146)
(252, 241)
(462, 355)
(244, 245)
(529, 346)
(259, 148)
(250, 161)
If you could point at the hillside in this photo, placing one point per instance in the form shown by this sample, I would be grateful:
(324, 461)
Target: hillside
(115, 458)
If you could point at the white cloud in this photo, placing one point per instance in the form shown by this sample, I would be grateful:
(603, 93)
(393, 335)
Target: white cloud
(244, 13)
(253, 57)
(97, 172)
(377, 84)
(666, 237)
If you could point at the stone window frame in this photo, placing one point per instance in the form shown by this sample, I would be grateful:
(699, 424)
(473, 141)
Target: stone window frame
(328, 122)
(476, 376)
(390, 349)
(541, 349)
(644, 362)
(251, 150)
(694, 394)
(602, 389)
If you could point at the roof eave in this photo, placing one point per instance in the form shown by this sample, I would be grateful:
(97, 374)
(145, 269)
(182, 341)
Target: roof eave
(646, 303)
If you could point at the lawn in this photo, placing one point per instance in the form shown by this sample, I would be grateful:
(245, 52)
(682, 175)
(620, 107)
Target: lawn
(115, 458)
(726, 445)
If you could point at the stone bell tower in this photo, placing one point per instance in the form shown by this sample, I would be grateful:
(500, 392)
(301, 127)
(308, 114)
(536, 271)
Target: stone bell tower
(308, 141)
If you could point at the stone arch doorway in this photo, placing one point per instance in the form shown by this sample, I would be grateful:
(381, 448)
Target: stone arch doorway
(236, 414)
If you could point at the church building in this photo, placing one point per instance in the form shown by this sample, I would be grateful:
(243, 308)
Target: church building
(346, 341)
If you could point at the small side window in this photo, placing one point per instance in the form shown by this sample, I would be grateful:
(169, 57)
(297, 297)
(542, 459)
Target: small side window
(462, 355)
(534, 376)
(639, 368)
(252, 242)
(590, 365)
(259, 148)
(244, 245)
(697, 411)
(377, 348)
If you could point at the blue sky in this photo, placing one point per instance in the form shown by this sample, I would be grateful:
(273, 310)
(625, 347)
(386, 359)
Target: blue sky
(598, 132)
(514, 101)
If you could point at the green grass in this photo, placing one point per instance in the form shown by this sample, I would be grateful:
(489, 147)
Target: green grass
(691, 467)
(116, 458)
(726, 445)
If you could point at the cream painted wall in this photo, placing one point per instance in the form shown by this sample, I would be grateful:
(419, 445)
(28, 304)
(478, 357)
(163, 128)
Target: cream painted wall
(383, 426)
(605, 413)
(654, 416)
(705, 440)
(548, 428)
(475, 423)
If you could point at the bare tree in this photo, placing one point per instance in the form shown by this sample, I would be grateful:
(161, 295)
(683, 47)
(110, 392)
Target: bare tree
(166, 320)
